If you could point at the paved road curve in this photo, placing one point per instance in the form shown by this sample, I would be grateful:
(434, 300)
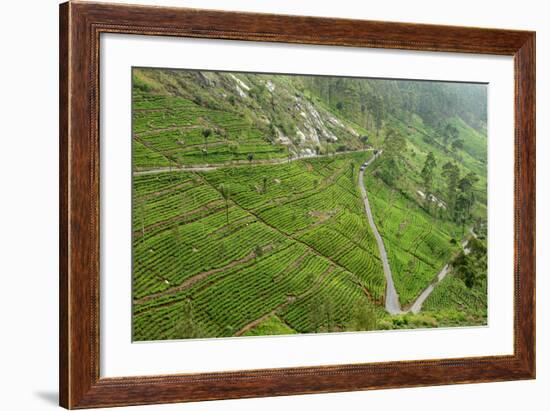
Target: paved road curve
(417, 305)
(392, 298)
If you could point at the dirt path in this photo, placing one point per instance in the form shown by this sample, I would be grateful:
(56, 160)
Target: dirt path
(197, 277)
(392, 298)
(264, 317)
(238, 163)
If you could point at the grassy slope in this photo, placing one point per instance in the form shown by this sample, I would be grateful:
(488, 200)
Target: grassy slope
(271, 326)
(418, 245)
(172, 130)
(452, 302)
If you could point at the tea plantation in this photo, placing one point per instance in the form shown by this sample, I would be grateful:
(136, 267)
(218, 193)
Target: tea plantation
(248, 219)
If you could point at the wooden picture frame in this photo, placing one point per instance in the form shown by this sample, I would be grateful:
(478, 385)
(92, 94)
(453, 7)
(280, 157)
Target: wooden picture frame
(80, 27)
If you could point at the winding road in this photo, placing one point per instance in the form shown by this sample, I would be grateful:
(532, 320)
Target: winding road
(392, 298)
(417, 305)
(392, 304)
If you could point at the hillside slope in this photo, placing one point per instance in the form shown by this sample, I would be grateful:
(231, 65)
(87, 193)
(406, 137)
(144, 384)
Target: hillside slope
(247, 213)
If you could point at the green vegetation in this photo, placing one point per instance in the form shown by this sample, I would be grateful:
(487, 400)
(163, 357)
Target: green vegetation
(462, 297)
(248, 218)
(418, 244)
(271, 326)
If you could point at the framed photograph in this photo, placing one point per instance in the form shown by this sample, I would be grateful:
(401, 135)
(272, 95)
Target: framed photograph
(259, 205)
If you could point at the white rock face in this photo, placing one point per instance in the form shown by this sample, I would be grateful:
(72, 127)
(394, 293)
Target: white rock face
(311, 132)
(240, 82)
(433, 199)
(316, 129)
(315, 125)
(335, 121)
(307, 152)
(352, 131)
(281, 138)
(240, 91)
(338, 123)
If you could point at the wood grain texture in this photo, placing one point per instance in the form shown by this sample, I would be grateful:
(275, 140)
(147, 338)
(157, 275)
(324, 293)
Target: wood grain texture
(525, 203)
(63, 205)
(80, 27)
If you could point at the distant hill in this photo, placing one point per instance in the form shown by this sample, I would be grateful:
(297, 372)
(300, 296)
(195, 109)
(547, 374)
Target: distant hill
(301, 115)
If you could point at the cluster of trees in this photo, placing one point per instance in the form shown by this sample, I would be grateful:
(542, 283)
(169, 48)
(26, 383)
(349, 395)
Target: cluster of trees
(460, 193)
(391, 163)
(471, 266)
(427, 175)
(433, 102)
(450, 137)
(370, 102)
(354, 98)
(460, 190)
(363, 318)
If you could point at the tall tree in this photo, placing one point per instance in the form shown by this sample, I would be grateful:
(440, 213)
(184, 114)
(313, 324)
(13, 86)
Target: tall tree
(461, 207)
(463, 267)
(206, 133)
(226, 194)
(452, 176)
(352, 170)
(427, 172)
(365, 141)
(450, 133)
(394, 147)
(467, 197)
(379, 112)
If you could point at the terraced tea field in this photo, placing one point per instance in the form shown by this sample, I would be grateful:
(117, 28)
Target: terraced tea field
(168, 131)
(418, 246)
(286, 230)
